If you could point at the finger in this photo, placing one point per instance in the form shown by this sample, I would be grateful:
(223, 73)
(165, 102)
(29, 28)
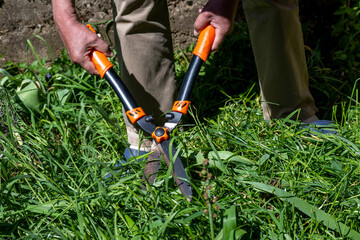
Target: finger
(216, 44)
(219, 37)
(82, 58)
(89, 66)
(103, 47)
(99, 44)
(201, 21)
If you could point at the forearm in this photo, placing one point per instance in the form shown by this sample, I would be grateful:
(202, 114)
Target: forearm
(64, 16)
(64, 11)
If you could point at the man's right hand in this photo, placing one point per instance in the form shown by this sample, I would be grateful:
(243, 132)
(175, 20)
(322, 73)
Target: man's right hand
(79, 41)
(220, 14)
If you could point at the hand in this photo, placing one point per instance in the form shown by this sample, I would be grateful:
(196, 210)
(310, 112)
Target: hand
(220, 14)
(79, 41)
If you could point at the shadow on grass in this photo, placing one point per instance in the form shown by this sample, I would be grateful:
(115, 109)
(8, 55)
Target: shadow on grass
(231, 71)
(227, 73)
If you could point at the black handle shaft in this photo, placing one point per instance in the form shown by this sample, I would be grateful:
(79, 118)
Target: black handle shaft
(121, 90)
(189, 79)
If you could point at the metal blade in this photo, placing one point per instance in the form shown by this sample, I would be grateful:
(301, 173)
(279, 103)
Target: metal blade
(152, 167)
(178, 170)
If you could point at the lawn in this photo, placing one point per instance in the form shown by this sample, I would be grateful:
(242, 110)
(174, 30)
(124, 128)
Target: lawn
(62, 131)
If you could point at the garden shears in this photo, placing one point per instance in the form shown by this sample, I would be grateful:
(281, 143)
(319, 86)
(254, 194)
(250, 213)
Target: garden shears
(160, 134)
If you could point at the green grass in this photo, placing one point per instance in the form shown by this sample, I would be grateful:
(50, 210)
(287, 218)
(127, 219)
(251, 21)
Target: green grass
(252, 179)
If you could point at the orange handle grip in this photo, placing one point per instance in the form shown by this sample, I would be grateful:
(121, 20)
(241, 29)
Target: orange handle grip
(99, 59)
(205, 42)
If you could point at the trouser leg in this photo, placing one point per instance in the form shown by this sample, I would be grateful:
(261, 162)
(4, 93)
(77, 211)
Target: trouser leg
(144, 47)
(277, 41)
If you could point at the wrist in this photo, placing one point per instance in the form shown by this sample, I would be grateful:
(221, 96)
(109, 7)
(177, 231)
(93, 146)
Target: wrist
(64, 13)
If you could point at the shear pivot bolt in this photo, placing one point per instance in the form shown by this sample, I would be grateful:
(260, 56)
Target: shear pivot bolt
(160, 134)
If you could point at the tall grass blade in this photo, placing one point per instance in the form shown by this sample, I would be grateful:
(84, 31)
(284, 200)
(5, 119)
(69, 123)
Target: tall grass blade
(308, 209)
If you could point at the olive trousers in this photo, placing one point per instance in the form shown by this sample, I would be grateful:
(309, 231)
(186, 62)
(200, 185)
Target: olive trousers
(144, 46)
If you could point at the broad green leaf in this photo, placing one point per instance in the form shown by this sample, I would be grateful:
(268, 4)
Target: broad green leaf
(132, 226)
(5, 73)
(63, 95)
(28, 93)
(231, 157)
(49, 208)
(214, 162)
(229, 223)
(200, 158)
(224, 156)
(239, 233)
(4, 80)
(264, 158)
(156, 224)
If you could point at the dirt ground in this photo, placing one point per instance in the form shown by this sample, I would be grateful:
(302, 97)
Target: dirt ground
(22, 20)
